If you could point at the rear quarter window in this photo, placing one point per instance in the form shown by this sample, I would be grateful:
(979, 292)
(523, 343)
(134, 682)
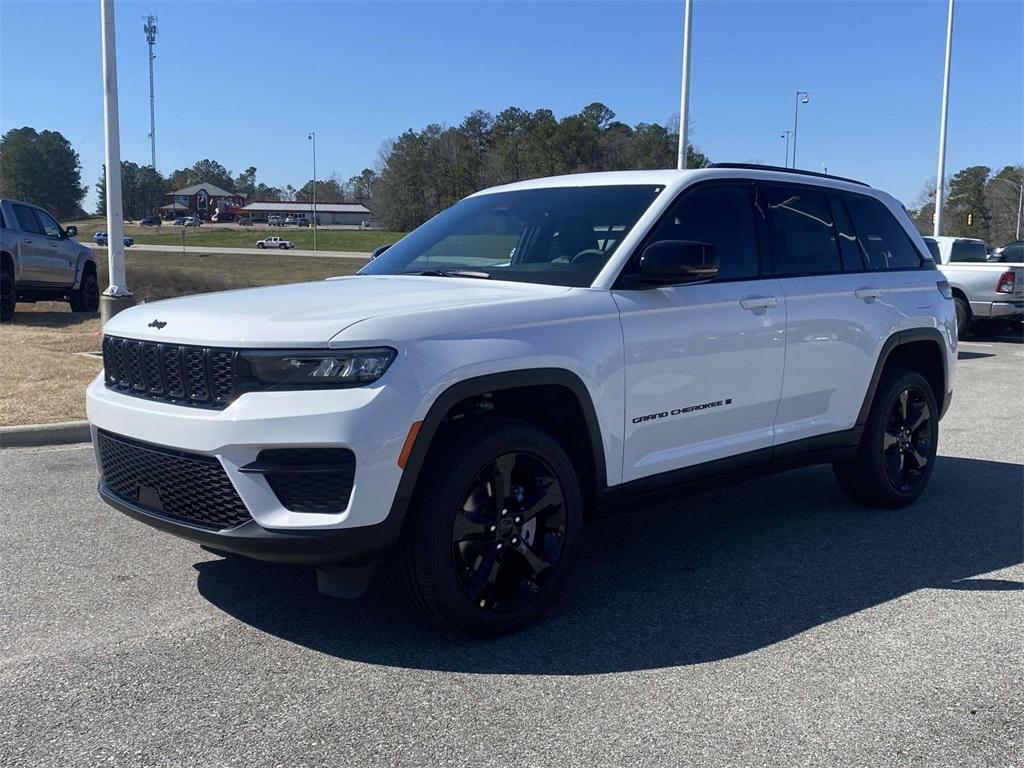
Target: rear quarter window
(884, 243)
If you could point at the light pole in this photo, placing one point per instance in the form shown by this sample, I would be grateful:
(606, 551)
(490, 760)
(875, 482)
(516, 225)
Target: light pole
(116, 296)
(312, 137)
(801, 98)
(1020, 201)
(941, 176)
(684, 92)
(785, 135)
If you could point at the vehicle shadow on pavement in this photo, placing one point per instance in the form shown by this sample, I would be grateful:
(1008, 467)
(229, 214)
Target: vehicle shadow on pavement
(700, 578)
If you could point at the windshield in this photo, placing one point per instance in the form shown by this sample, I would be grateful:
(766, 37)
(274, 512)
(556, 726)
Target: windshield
(557, 236)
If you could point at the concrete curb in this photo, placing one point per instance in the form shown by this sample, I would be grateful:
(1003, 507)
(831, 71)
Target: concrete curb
(33, 435)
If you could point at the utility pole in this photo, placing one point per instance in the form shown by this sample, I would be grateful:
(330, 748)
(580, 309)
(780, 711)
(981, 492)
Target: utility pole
(117, 296)
(150, 30)
(801, 98)
(940, 180)
(312, 137)
(684, 92)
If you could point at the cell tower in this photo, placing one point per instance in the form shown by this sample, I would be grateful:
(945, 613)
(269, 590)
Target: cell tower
(150, 30)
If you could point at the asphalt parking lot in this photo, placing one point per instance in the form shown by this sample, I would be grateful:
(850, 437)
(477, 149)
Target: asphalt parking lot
(770, 623)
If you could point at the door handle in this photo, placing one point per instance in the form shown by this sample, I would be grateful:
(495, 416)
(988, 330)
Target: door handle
(758, 302)
(29, 240)
(54, 245)
(867, 294)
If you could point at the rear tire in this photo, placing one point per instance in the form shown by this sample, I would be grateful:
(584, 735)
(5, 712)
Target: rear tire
(8, 294)
(86, 298)
(964, 318)
(494, 528)
(283, 247)
(897, 450)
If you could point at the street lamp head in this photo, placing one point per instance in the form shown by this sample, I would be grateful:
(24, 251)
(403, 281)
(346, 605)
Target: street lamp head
(804, 97)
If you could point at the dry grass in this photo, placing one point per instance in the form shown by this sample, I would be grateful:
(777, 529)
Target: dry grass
(42, 379)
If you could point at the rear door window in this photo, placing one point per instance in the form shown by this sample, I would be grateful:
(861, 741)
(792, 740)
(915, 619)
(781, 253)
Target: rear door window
(27, 221)
(801, 230)
(933, 249)
(884, 243)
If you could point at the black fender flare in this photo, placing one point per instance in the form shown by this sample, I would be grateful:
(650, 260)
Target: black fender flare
(898, 339)
(494, 382)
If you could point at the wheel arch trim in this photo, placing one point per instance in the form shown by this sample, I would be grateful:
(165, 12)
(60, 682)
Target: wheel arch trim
(896, 340)
(494, 382)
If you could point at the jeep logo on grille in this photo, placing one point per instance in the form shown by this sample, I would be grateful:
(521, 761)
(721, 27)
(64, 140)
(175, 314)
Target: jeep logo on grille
(157, 324)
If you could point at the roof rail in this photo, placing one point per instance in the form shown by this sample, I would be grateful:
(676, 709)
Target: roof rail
(756, 167)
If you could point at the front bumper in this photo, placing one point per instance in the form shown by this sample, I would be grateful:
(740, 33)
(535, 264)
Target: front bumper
(372, 422)
(321, 548)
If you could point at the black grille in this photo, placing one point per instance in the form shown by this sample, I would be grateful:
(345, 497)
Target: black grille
(315, 480)
(186, 375)
(187, 486)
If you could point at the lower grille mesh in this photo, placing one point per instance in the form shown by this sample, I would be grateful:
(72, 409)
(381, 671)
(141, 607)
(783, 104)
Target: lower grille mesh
(188, 486)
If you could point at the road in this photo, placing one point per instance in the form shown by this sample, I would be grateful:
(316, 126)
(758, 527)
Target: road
(213, 250)
(772, 623)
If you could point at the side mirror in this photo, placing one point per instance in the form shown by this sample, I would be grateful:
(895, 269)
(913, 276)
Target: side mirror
(379, 250)
(70, 231)
(672, 262)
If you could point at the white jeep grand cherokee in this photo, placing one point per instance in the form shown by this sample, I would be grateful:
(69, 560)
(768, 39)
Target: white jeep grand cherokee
(536, 351)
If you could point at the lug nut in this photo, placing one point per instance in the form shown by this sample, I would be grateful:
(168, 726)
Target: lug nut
(519, 519)
(515, 540)
(494, 528)
(499, 546)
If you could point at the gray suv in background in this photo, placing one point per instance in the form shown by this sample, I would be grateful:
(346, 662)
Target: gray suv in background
(41, 261)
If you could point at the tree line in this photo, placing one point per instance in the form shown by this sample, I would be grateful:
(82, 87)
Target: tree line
(421, 173)
(976, 203)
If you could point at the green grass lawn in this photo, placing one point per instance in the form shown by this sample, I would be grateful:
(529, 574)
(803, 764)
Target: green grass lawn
(356, 240)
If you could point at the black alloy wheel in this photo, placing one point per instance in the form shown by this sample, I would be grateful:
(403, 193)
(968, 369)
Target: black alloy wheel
(508, 534)
(906, 442)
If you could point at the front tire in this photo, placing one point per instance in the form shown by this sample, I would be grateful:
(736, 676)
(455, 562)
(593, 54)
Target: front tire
(86, 298)
(897, 451)
(8, 294)
(494, 529)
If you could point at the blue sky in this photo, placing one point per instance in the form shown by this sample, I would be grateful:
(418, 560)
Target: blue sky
(244, 82)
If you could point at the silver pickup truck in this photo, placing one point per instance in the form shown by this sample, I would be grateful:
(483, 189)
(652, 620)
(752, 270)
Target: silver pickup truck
(41, 261)
(982, 290)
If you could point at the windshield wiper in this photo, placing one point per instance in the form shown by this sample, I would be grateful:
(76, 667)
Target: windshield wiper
(451, 273)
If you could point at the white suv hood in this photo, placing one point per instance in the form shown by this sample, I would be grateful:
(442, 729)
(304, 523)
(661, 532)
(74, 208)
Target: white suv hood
(307, 314)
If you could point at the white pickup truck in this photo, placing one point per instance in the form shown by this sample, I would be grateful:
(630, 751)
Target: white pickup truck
(982, 290)
(275, 242)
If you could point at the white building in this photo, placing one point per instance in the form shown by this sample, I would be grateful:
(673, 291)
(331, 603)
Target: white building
(326, 213)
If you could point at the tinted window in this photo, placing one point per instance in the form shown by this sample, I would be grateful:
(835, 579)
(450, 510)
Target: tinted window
(1013, 253)
(885, 244)
(722, 216)
(933, 249)
(968, 250)
(50, 227)
(800, 224)
(27, 219)
(553, 235)
(849, 250)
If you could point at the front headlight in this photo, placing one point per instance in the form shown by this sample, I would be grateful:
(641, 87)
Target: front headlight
(324, 368)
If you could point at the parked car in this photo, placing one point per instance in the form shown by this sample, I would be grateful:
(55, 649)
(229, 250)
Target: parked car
(290, 220)
(982, 290)
(100, 238)
(180, 221)
(244, 221)
(302, 221)
(1011, 253)
(369, 224)
(275, 242)
(41, 261)
(150, 221)
(275, 221)
(538, 350)
(192, 221)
